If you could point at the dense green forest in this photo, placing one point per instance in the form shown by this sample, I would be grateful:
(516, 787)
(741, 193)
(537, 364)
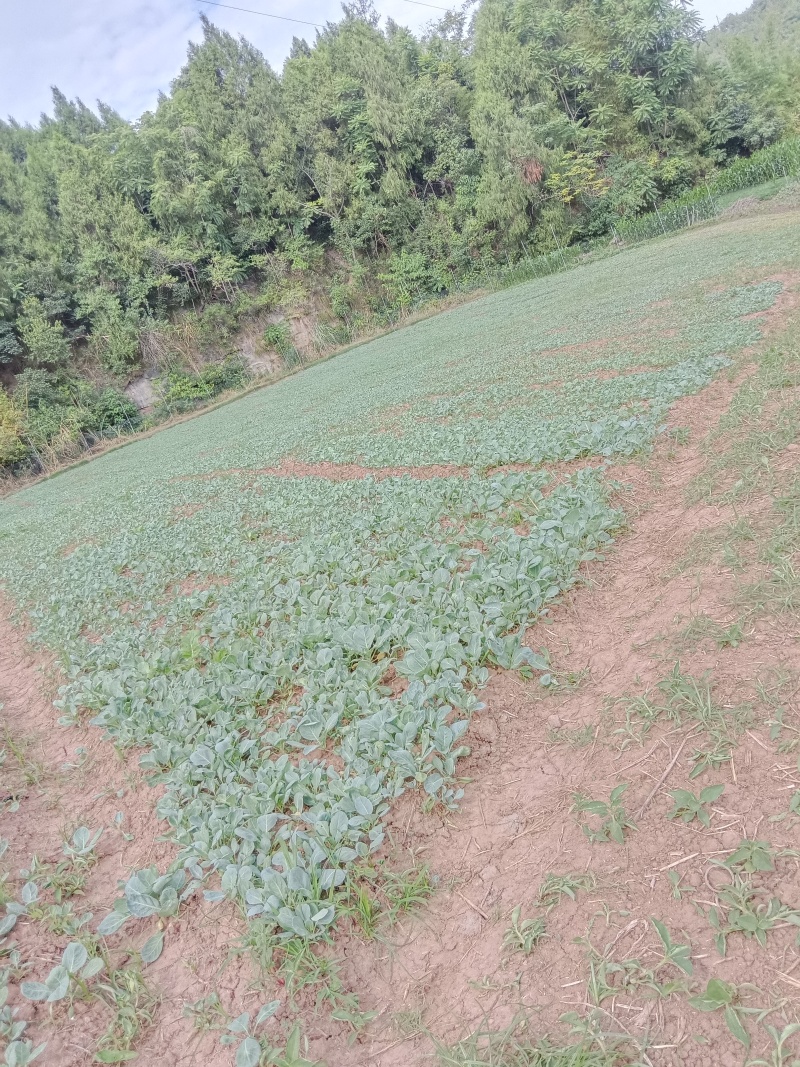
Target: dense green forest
(254, 213)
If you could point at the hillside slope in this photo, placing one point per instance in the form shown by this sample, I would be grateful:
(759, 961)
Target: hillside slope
(768, 24)
(340, 626)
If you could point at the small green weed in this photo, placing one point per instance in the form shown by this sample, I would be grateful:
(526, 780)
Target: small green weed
(512, 1047)
(689, 807)
(406, 890)
(523, 934)
(578, 737)
(744, 909)
(752, 856)
(614, 820)
(780, 1056)
(556, 886)
(724, 997)
(684, 699)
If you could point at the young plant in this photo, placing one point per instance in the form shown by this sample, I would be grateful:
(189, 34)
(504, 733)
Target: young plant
(556, 886)
(249, 1050)
(133, 1008)
(752, 856)
(148, 893)
(68, 978)
(21, 1053)
(523, 934)
(406, 890)
(679, 956)
(780, 1055)
(688, 806)
(80, 847)
(742, 910)
(614, 820)
(721, 996)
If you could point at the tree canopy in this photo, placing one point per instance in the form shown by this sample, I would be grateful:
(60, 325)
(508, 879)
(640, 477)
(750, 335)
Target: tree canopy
(376, 160)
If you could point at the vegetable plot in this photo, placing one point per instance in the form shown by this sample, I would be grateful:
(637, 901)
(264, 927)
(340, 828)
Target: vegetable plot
(292, 653)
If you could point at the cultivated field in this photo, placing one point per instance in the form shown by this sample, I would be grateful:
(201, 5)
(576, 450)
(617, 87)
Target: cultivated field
(465, 665)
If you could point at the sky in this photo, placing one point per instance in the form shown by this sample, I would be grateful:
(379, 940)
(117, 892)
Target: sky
(124, 52)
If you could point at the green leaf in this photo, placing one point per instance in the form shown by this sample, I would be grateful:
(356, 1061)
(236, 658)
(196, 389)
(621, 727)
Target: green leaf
(248, 1053)
(266, 1011)
(34, 990)
(92, 968)
(113, 922)
(74, 957)
(711, 793)
(152, 948)
(717, 995)
(114, 1056)
(735, 1026)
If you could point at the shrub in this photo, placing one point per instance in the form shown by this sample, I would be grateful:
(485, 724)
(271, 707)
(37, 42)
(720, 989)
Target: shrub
(12, 449)
(182, 391)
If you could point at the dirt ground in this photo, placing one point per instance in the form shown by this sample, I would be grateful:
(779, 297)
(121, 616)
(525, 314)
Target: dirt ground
(443, 971)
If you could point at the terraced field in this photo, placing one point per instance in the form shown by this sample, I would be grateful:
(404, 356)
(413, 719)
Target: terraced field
(288, 611)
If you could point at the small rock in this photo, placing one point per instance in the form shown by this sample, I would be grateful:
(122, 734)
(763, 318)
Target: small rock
(488, 874)
(555, 722)
(730, 839)
(487, 730)
(470, 923)
(789, 893)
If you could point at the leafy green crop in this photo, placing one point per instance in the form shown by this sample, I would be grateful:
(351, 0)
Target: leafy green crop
(293, 642)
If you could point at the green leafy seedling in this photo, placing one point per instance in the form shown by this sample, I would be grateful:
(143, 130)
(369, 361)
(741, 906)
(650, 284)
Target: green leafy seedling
(72, 974)
(779, 1057)
(614, 820)
(679, 956)
(21, 1053)
(689, 807)
(752, 856)
(722, 996)
(556, 886)
(740, 911)
(523, 934)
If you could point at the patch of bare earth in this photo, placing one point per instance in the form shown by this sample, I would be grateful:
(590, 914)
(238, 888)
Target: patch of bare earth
(445, 972)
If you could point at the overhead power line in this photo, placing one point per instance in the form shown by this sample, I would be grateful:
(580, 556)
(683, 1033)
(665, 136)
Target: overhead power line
(266, 14)
(419, 3)
(302, 22)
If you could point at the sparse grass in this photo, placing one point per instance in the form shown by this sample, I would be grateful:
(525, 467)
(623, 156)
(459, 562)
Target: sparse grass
(777, 591)
(513, 1047)
(555, 887)
(406, 890)
(577, 737)
(763, 419)
(686, 700)
(703, 627)
(133, 1005)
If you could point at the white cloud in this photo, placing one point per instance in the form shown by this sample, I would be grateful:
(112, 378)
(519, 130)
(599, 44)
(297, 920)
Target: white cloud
(125, 51)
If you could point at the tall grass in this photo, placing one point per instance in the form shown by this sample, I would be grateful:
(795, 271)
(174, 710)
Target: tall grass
(781, 160)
